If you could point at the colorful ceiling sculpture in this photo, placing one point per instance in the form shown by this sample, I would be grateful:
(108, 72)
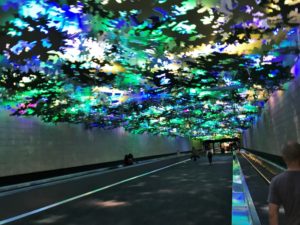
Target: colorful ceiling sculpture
(193, 68)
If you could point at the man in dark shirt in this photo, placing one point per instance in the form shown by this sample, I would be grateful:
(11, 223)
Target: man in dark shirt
(285, 188)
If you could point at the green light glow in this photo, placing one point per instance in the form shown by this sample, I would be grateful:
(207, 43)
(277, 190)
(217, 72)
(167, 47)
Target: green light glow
(195, 69)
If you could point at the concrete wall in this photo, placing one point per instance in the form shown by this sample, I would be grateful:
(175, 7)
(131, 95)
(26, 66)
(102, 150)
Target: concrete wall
(29, 145)
(278, 123)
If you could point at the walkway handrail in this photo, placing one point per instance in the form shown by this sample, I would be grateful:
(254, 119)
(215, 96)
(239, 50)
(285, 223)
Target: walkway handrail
(266, 160)
(243, 209)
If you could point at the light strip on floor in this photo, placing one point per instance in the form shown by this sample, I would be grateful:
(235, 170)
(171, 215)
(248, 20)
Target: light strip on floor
(240, 210)
(243, 209)
(21, 216)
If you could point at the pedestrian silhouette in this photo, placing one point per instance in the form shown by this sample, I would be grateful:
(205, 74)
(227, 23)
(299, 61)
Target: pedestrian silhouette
(209, 156)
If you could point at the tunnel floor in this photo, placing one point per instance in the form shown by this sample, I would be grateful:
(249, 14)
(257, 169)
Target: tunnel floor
(190, 193)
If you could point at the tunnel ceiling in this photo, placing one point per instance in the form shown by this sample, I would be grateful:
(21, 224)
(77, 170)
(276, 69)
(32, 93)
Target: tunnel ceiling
(193, 68)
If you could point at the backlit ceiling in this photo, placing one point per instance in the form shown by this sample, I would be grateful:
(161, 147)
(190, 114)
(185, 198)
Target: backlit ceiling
(193, 68)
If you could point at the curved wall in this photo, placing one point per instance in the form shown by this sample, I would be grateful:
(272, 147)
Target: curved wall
(278, 123)
(28, 145)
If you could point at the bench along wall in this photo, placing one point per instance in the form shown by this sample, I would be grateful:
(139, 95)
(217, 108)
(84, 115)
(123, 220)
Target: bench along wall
(278, 123)
(28, 145)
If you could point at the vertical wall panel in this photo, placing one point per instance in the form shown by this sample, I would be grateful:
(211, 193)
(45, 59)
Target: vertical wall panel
(278, 123)
(29, 145)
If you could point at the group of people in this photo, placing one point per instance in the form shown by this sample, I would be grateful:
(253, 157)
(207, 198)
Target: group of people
(195, 155)
(128, 160)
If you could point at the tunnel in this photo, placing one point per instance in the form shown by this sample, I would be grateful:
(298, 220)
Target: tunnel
(129, 112)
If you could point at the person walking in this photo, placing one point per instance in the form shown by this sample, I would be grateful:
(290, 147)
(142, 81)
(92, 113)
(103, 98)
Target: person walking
(234, 155)
(209, 156)
(284, 189)
(195, 154)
